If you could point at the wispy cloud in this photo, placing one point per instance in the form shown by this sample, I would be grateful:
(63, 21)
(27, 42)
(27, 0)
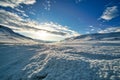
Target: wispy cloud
(33, 28)
(78, 1)
(47, 4)
(15, 3)
(110, 13)
(111, 29)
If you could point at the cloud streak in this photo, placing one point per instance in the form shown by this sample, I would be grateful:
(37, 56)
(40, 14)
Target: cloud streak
(110, 13)
(109, 30)
(15, 3)
(34, 29)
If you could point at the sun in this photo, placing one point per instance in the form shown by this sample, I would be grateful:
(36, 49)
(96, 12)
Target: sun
(43, 35)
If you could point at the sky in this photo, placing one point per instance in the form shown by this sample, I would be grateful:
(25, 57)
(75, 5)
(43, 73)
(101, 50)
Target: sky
(54, 20)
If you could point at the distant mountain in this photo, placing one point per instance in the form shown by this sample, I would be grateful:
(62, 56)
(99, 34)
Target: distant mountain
(9, 36)
(98, 36)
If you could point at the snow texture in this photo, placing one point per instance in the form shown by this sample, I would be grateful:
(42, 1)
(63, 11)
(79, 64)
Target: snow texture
(72, 59)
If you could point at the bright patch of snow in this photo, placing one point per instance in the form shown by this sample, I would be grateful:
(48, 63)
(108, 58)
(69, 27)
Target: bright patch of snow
(74, 59)
(8, 36)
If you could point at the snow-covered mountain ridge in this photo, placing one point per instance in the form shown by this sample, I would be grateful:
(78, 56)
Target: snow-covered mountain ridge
(9, 36)
(98, 36)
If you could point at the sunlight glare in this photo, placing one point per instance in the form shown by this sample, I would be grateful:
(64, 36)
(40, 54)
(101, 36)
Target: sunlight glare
(42, 34)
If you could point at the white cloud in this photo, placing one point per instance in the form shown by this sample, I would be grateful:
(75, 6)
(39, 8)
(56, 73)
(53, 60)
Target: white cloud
(91, 26)
(92, 29)
(47, 4)
(15, 3)
(28, 1)
(43, 31)
(110, 13)
(111, 29)
(21, 12)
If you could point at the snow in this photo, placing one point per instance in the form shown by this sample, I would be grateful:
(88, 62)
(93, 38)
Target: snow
(8, 36)
(59, 62)
(98, 36)
(68, 60)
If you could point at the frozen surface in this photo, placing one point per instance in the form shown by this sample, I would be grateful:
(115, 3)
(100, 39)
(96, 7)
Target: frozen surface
(73, 59)
(60, 61)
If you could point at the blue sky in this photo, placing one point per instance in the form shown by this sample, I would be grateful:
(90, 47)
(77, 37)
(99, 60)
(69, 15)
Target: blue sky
(59, 19)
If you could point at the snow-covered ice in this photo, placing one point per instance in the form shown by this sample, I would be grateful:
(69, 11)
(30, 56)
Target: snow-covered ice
(74, 59)
(59, 62)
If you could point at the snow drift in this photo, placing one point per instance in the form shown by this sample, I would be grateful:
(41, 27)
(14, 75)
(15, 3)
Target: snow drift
(75, 59)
